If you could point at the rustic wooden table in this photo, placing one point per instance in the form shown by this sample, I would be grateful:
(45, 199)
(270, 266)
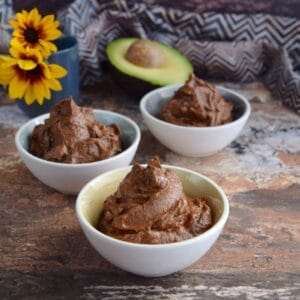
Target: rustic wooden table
(44, 254)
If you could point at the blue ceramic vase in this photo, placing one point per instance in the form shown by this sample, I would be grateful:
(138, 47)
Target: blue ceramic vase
(67, 57)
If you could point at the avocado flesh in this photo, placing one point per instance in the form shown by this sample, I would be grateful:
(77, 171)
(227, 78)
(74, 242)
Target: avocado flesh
(176, 68)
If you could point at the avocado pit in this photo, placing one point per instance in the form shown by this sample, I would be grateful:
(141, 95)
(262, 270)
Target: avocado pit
(146, 54)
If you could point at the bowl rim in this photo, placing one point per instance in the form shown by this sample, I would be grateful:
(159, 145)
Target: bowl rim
(135, 142)
(218, 225)
(174, 87)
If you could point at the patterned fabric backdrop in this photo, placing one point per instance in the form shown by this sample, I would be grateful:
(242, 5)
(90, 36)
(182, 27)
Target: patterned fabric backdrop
(6, 13)
(234, 47)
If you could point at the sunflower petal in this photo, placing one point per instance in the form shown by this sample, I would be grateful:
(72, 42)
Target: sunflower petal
(39, 92)
(22, 16)
(26, 64)
(4, 58)
(23, 86)
(16, 52)
(14, 42)
(37, 55)
(19, 34)
(13, 23)
(52, 34)
(52, 46)
(8, 62)
(29, 95)
(17, 87)
(21, 28)
(33, 54)
(50, 25)
(45, 51)
(54, 84)
(47, 93)
(48, 20)
(34, 17)
(25, 13)
(57, 71)
(55, 24)
(47, 45)
(6, 75)
(46, 70)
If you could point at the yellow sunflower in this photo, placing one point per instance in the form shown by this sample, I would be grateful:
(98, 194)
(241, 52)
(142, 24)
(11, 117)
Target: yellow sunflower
(28, 76)
(31, 31)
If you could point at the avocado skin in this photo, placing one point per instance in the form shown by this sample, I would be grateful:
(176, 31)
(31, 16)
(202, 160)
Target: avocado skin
(133, 87)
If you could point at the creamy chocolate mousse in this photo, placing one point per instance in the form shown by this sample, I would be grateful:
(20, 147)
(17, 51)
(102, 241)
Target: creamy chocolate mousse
(197, 103)
(151, 207)
(72, 135)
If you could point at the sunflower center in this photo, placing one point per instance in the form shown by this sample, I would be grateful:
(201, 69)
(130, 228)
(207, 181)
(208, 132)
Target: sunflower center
(33, 75)
(31, 35)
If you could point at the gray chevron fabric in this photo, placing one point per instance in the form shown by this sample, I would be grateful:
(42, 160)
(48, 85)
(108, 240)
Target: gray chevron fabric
(234, 47)
(6, 13)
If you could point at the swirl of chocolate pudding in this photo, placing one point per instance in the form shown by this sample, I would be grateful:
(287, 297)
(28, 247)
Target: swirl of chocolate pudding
(72, 135)
(150, 207)
(197, 103)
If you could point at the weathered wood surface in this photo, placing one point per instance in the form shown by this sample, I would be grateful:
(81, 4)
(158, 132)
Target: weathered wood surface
(44, 255)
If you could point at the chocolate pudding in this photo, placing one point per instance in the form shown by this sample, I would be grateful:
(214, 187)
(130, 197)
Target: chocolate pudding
(150, 207)
(197, 103)
(72, 135)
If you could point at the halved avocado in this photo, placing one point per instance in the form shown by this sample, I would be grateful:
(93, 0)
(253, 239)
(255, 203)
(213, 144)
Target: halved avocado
(141, 65)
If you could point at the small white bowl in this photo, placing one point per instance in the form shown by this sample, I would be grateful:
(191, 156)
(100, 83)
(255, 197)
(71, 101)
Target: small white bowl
(70, 178)
(143, 259)
(193, 141)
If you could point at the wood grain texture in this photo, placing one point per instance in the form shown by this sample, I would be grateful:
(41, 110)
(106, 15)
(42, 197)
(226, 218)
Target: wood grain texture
(44, 254)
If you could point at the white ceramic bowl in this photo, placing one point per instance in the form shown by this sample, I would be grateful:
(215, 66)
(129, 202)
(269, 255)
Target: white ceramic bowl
(142, 259)
(193, 141)
(70, 178)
